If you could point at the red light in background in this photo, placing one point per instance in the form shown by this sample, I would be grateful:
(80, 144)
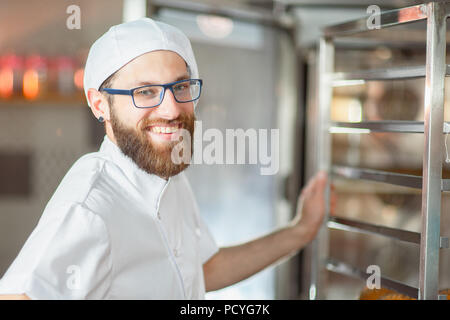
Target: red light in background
(31, 84)
(78, 78)
(35, 76)
(10, 72)
(6, 82)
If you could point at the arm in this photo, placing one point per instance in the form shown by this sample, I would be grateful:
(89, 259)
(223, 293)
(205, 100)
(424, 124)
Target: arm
(233, 264)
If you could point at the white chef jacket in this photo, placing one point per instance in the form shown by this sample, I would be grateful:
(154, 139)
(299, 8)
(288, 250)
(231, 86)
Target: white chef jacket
(113, 231)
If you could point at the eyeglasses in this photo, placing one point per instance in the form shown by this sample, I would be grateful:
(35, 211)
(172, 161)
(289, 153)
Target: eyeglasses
(151, 96)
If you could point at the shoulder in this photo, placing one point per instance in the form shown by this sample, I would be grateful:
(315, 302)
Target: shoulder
(71, 214)
(86, 174)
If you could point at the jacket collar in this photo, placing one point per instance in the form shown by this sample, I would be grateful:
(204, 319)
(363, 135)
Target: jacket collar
(150, 186)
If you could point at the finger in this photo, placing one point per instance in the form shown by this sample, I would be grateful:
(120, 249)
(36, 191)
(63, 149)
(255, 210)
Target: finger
(333, 202)
(309, 186)
(333, 199)
(332, 208)
(333, 194)
(322, 175)
(333, 211)
(315, 184)
(320, 181)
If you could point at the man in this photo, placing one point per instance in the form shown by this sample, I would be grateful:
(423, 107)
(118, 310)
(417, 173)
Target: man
(123, 223)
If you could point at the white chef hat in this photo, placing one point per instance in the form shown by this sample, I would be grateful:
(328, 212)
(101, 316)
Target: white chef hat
(124, 42)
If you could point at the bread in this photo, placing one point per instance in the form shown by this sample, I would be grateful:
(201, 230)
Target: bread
(374, 294)
(387, 294)
(396, 296)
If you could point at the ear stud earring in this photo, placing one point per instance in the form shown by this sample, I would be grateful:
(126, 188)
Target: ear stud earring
(100, 119)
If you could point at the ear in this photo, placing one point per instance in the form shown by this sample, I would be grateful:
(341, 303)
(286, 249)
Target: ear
(98, 103)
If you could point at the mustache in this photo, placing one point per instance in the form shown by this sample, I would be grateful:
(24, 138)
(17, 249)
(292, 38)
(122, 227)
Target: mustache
(183, 118)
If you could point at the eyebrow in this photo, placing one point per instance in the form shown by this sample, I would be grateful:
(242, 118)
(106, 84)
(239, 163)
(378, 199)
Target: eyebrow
(147, 83)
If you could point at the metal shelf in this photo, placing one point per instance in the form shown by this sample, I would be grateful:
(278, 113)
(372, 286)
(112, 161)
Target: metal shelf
(367, 228)
(346, 224)
(430, 182)
(355, 187)
(382, 126)
(340, 79)
(393, 178)
(387, 19)
(336, 266)
(398, 179)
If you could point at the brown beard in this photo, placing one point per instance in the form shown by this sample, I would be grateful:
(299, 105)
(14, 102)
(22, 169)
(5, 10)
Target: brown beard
(153, 159)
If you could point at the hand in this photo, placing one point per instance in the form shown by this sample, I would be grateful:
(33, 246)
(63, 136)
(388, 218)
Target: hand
(311, 206)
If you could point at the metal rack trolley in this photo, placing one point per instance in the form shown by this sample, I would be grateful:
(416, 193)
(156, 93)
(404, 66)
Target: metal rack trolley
(433, 127)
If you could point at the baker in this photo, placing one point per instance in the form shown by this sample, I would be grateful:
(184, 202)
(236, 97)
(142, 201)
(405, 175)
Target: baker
(123, 223)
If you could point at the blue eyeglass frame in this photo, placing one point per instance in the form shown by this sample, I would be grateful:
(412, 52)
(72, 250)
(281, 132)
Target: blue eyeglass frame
(165, 86)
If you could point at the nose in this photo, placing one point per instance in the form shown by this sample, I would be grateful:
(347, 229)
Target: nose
(169, 108)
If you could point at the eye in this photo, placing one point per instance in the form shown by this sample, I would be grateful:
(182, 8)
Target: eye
(146, 92)
(182, 86)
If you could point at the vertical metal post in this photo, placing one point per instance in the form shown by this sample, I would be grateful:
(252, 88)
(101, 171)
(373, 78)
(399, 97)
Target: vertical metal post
(319, 247)
(134, 9)
(432, 157)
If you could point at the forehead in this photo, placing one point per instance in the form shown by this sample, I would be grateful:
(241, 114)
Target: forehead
(161, 65)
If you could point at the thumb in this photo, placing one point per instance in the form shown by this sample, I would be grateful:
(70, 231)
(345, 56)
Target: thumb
(320, 181)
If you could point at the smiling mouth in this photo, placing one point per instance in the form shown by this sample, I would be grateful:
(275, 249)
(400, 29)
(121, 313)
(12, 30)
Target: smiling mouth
(164, 129)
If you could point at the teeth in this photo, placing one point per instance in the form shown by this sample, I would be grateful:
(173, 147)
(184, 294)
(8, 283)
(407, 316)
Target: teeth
(171, 129)
(164, 129)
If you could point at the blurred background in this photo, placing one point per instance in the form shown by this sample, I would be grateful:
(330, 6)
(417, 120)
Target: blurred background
(258, 60)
